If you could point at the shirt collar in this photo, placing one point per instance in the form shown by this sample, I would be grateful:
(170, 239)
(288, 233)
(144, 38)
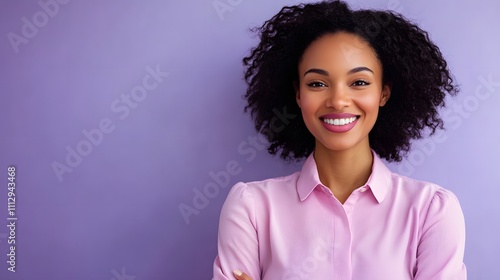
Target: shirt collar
(379, 181)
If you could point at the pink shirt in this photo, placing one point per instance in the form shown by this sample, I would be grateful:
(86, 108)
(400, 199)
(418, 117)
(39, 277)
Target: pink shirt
(293, 228)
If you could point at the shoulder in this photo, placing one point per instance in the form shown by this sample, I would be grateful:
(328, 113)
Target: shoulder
(265, 191)
(430, 197)
(267, 187)
(247, 201)
(421, 187)
(402, 190)
(263, 194)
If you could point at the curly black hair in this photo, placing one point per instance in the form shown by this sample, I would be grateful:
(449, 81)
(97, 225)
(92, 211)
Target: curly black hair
(412, 65)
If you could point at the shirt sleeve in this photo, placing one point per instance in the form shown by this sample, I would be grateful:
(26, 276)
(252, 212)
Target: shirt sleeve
(237, 240)
(441, 248)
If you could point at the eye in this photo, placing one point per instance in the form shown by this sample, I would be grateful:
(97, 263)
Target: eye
(359, 83)
(316, 84)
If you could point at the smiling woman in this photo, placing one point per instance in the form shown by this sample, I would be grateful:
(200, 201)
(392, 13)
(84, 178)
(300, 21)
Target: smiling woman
(365, 84)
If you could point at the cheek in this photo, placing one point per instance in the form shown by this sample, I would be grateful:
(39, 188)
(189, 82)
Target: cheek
(308, 105)
(369, 103)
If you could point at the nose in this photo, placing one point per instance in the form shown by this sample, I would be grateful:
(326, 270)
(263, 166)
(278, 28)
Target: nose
(338, 98)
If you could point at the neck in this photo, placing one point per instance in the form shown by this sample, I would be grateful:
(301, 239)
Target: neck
(343, 171)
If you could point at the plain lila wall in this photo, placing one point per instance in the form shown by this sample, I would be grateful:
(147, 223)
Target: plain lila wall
(118, 114)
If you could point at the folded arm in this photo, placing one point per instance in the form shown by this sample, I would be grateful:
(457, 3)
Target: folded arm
(238, 241)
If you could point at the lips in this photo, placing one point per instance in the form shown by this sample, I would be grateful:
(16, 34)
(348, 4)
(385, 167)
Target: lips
(339, 123)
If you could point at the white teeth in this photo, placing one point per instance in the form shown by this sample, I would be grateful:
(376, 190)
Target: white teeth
(339, 121)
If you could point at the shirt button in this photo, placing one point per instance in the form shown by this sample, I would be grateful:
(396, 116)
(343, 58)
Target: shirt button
(363, 189)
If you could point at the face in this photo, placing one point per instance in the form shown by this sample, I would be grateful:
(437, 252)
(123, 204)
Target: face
(340, 91)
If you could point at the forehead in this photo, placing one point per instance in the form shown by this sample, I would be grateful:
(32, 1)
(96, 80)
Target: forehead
(339, 51)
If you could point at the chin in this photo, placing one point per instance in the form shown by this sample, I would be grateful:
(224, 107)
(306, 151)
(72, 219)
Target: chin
(341, 145)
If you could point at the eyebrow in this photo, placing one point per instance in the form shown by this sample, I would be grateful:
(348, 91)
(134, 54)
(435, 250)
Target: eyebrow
(325, 73)
(359, 69)
(317, 71)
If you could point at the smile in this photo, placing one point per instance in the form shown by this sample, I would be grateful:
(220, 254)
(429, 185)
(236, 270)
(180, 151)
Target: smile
(339, 123)
(342, 121)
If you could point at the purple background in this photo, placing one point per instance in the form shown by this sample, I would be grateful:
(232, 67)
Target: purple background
(116, 214)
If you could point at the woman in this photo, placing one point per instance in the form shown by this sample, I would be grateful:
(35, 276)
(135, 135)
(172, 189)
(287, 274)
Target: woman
(358, 86)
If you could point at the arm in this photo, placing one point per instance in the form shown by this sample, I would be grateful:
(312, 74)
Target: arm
(441, 248)
(237, 242)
